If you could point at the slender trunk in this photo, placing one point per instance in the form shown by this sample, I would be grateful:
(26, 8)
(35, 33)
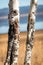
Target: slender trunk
(13, 34)
(30, 32)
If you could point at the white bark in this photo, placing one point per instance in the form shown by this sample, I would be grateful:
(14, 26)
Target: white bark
(13, 34)
(30, 32)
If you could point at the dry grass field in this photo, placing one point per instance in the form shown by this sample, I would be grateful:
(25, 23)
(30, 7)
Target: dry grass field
(37, 51)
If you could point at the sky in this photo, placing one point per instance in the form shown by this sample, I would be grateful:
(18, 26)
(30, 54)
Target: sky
(4, 3)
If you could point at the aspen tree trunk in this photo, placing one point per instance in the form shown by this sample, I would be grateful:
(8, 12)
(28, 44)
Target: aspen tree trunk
(13, 34)
(30, 32)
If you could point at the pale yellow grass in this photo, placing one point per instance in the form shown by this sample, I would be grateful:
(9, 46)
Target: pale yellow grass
(37, 51)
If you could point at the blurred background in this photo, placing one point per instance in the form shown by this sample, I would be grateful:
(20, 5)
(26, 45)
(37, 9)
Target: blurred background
(37, 51)
(24, 10)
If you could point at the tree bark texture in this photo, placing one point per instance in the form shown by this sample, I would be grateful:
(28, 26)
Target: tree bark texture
(30, 32)
(13, 33)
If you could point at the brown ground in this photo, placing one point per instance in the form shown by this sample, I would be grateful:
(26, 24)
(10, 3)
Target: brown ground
(37, 52)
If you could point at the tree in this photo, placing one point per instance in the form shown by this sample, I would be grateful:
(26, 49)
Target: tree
(13, 34)
(30, 32)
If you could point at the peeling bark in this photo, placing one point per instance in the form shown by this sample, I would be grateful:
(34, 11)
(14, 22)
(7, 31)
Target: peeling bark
(30, 32)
